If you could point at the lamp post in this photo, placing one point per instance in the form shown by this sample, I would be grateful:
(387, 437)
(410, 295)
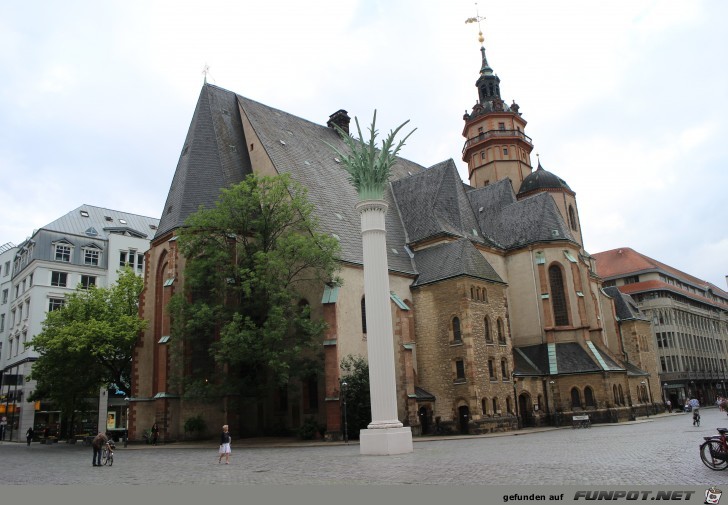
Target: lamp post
(344, 389)
(515, 400)
(126, 424)
(553, 403)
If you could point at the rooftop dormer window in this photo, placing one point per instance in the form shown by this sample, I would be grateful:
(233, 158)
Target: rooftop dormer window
(63, 253)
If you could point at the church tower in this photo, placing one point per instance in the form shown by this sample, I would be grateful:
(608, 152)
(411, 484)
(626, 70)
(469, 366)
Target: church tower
(497, 146)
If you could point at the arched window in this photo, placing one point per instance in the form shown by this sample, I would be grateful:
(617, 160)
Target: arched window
(572, 218)
(486, 326)
(615, 394)
(472, 293)
(363, 315)
(621, 395)
(484, 406)
(494, 401)
(509, 409)
(456, 336)
(501, 333)
(589, 397)
(484, 295)
(558, 296)
(504, 369)
(575, 397)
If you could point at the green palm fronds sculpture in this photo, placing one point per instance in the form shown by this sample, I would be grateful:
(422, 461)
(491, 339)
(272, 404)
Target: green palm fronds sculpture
(369, 168)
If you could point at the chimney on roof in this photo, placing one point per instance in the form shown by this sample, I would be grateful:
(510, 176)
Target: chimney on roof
(341, 119)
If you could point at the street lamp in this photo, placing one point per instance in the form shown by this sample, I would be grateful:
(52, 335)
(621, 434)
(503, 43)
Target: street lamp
(126, 427)
(553, 403)
(344, 389)
(514, 379)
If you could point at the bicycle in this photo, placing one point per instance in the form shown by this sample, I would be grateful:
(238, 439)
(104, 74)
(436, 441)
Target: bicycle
(714, 451)
(696, 417)
(107, 453)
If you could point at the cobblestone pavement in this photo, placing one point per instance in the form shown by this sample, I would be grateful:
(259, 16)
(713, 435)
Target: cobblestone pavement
(661, 450)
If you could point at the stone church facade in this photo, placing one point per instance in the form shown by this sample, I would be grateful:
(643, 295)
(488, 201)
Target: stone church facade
(499, 317)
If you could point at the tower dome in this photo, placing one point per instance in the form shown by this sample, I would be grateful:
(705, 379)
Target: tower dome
(542, 180)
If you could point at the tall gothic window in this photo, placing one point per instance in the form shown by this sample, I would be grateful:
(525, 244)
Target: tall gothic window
(558, 296)
(575, 398)
(456, 336)
(501, 332)
(572, 218)
(486, 326)
(589, 397)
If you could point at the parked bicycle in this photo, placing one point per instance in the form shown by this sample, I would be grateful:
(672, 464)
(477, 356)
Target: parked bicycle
(714, 451)
(107, 453)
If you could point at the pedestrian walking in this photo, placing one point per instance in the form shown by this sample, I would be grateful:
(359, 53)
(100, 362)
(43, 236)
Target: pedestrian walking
(155, 433)
(3, 427)
(669, 406)
(224, 445)
(29, 435)
(98, 444)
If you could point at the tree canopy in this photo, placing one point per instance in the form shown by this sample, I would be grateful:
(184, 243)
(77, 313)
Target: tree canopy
(89, 341)
(243, 316)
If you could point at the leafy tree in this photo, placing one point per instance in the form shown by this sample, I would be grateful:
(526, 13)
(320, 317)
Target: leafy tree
(88, 343)
(358, 401)
(247, 260)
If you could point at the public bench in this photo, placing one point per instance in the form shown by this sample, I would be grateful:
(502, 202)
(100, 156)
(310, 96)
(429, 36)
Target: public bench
(581, 421)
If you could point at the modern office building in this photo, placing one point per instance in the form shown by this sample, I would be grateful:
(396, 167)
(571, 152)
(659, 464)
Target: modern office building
(83, 248)
(689, 320)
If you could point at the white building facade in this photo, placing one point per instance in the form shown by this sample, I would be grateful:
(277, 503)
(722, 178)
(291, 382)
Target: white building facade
(83, 248)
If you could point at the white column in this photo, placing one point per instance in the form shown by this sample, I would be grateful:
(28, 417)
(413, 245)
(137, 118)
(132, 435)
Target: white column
(103, 410)
(385, 434)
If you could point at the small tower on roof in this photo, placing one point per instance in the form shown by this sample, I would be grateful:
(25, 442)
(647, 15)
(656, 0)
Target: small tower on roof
(496, 146)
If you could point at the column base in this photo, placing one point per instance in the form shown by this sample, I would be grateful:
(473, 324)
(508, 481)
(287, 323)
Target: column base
(385, 442)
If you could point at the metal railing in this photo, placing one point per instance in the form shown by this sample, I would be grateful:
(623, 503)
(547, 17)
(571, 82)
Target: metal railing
(496, 134)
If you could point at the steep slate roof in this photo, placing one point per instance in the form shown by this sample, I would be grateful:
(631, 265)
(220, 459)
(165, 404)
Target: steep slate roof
(452, 259)
(514, 223)
(433, 203)
(571, 358)
(624, 305)
(298, 147)
(103, 222)
(424, 203)
(213, 156)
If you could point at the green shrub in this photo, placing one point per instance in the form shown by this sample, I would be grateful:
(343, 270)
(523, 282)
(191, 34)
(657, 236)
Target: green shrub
(195, 425)
(309, 428)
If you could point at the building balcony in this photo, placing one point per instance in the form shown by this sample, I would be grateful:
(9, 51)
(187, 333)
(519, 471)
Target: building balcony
(497, 134)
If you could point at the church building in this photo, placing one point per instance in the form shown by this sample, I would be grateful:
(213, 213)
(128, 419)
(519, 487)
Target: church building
(499, 317)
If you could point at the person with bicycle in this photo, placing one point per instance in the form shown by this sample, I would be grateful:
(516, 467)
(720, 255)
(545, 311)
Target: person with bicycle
(695, 406)
(98, 443)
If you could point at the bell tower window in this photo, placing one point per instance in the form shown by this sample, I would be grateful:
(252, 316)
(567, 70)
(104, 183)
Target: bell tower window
(572, 218)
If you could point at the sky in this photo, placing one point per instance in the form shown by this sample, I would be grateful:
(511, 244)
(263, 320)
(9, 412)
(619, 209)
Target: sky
(626, 100)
